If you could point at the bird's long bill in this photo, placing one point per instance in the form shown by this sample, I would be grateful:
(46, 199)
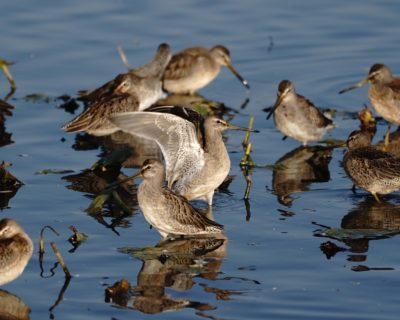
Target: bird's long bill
(355, 86)
(277, 103)
(136, 175)
(241, 79)
(233, 127)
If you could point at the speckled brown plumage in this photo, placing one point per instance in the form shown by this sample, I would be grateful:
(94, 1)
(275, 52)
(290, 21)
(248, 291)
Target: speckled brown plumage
(297, 117)
(369, 168)
(132, 91)
(15, 250)
(192, 69)
(166, 211)
(384, 92)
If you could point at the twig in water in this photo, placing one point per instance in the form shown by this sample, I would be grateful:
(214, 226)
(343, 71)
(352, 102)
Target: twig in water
(41, 246)
(61, 260)
(3, 66)
(247, 135)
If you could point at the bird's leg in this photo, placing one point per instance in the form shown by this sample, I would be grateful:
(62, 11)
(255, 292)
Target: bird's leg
(387, 137)
(284, 138)
(376, 197)
(209, 198)
(353, 188)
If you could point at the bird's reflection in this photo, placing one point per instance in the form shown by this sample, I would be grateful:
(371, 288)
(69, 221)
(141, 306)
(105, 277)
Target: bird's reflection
(12, 307)
(5, 110)
(296, 170)
(369, 220)
(173, 264)
(119, 202)
(9, 185)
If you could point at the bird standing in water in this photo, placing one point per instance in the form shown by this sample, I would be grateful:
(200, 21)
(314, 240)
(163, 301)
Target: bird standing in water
(384, 93)
(369, 168)
(192, 69)
(132, 91)
(194, 167)
(297, 117)
(169, 213)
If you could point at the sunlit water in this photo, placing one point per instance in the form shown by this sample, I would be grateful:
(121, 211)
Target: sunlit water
(273, 266)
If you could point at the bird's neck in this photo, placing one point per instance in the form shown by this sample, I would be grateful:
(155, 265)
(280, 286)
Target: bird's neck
(214, 143)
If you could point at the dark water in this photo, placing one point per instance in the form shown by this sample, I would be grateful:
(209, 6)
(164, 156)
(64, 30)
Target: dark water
(272, 266)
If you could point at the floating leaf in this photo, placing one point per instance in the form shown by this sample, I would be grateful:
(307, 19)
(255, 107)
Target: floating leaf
(39, 97)
(54, 171)
(97, 203)
(77, 237)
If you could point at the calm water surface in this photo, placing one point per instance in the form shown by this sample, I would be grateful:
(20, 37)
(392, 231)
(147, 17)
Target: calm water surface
(272, 267)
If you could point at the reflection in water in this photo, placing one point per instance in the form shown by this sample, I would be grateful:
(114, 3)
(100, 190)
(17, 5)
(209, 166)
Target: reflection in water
(369, 220)
(173, 264)
(297, 169)
(12, 307)
(15, 250)
(9, 185)
(5, 110)
(140, 148)
(118, 204)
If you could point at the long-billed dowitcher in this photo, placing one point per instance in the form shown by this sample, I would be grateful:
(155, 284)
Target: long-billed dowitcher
(169, 213)
(297, 117)
(384, 92)
(195, 167)
(192, 69)
(132, 91)
(369, 168)
(15, 250)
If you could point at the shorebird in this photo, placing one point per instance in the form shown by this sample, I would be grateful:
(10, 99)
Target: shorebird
(384, 93)
(297, 117)
(196, 164)
(132, 91)
(374, 170)
(166, 211)
(15, 250)
(192, 69)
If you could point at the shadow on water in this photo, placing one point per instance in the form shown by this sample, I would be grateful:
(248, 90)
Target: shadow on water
(297, 169)
(366, 222)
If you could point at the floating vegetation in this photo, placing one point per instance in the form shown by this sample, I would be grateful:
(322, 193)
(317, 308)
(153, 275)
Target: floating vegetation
(54, 171)
(77, 238)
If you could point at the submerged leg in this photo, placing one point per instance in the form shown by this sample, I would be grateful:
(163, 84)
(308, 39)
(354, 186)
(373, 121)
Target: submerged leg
(376, 197)
(353, 188)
